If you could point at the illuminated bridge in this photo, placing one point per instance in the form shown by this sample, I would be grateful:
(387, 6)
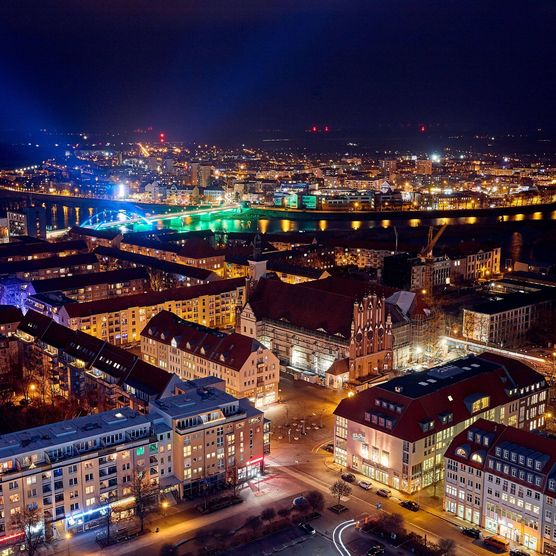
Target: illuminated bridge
(111, 218)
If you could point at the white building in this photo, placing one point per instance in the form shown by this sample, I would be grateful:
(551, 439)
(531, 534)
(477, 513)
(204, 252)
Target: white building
(504, 479)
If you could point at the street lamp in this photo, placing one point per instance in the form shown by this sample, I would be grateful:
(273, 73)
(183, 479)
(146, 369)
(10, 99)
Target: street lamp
(164, 505)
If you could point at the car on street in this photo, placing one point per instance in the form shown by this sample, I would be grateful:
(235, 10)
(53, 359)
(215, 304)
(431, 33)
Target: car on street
(328, 447)
(364, 485)
(375, 549)
(518, 552)
(299, 501)
(472, 532)
(410, 505)
(308, 528)
(348, 477)
(384, 492)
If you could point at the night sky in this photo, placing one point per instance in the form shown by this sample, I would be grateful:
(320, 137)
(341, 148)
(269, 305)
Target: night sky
(223, 70)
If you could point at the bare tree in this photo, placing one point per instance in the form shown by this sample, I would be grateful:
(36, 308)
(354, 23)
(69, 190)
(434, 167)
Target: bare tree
(447, 547)
(340, 489)
(316, 500)
(144, 494)
(232, 478)
(28, 521)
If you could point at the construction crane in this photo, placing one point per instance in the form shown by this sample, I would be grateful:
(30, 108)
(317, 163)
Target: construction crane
(426, 253)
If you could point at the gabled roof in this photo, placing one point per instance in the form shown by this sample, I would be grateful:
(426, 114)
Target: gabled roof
(90, 232)
(48, 262)
(28, 249)
(321, 305)
(199, 248)
(229, 350)
(441, 396)
(158, 264)
(89, 279)
(9, 314)
(34, 324)
(483, 437)
(148, 378)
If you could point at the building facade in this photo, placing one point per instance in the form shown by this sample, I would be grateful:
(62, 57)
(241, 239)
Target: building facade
(120, 320)
(191, 351)
(504, 480)
(397, 432)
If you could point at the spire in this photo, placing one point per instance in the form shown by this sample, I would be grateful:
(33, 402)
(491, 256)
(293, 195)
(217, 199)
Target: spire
(257, 247)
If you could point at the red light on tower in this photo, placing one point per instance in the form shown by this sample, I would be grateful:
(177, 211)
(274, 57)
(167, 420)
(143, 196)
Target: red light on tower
(162, 137)
(314, 129)
(422, 128)
(326, 129)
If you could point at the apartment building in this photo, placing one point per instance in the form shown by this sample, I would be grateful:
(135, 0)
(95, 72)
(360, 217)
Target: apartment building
(93, 286)
(95, 238)
(15, 276)
(470, 264)
(189, 350)
(75, 471)
(504, 480)
(506, 321)
(163, 274)
(213, 438)
(10, 352)
(120, 320)
(397, 432)
(18, 251)
(74, 364)
(195, 251)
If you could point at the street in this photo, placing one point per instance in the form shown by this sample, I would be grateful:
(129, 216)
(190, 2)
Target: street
(296, 465)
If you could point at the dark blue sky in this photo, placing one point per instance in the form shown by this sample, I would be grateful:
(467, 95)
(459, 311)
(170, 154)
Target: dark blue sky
(220, 70)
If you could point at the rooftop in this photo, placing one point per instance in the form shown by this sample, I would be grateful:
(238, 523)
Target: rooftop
(89, 279)
(67, 432)
(413, 405)
(152, 298)
(230, 350)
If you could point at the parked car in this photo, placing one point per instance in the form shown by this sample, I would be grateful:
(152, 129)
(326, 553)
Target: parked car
(348, 477)
(518, 552)
(375, 549)
(472, 532)
(410, 505)
(308, 528)
(364, 484)
(329, 448)
(384, 492)
(299, 501)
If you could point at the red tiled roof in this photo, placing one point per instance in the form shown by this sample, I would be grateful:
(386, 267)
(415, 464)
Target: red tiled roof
(322, 304)
(64, 283)
(199, 248)
(75, 310)
(229, 350)
(426, 396)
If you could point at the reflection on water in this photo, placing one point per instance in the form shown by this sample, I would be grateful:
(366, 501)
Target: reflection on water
(516, 246)
(60, 216)
(286, 225)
